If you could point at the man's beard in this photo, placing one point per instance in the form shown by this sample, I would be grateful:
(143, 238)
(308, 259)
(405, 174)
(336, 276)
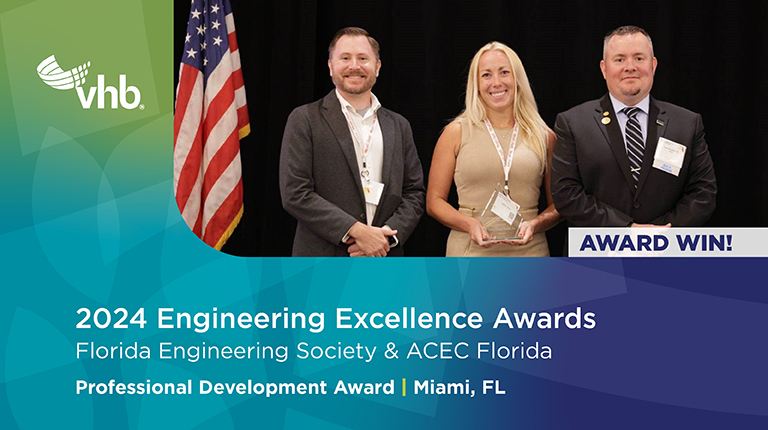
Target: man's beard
(631, 91)
(366, 86)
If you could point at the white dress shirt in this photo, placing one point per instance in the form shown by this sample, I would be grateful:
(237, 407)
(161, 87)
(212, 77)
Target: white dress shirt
(375, 161)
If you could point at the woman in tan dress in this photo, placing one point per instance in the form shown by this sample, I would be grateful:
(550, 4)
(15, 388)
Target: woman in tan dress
(498, 139)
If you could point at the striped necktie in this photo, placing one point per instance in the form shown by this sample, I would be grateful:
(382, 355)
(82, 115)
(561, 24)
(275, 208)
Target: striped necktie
(635, 145)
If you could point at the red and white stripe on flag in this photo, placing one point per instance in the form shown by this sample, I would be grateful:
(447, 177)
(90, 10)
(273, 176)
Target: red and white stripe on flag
(210, 119)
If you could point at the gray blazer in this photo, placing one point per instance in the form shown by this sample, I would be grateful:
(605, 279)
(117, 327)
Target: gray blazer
(320, 181)
(591, 181)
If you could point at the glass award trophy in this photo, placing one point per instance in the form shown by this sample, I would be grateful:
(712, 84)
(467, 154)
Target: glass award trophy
(501, 217)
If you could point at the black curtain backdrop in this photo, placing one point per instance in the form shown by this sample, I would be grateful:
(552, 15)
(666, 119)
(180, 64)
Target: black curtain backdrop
(712, 56)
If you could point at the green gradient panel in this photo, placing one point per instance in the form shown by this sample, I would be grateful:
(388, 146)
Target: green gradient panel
(111, 35)
(84, 193)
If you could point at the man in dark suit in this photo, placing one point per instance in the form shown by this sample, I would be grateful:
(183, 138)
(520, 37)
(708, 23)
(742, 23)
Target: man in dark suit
(349, 171)
(628, 159)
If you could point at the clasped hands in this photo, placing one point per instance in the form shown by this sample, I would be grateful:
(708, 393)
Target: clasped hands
(368, 241)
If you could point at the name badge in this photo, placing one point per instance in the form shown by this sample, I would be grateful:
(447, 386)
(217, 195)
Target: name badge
(505, 208)
(373, 192)
(669, 156)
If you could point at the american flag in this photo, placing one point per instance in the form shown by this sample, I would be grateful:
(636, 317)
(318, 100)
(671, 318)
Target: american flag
(210, 119)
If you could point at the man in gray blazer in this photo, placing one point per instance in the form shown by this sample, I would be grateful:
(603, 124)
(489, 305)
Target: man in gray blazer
(349, 171)
(628, 159)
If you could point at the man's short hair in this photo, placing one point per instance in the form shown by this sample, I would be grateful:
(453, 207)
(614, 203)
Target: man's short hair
(353, 31)
(626, 30)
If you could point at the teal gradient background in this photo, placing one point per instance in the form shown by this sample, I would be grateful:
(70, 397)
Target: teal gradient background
(89, 220)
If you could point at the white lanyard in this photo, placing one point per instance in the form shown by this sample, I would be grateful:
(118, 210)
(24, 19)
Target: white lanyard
(507, 165)
(359, 142)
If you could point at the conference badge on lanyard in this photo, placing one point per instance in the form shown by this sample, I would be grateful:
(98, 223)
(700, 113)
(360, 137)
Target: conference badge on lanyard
(371, 189)
(501, 216)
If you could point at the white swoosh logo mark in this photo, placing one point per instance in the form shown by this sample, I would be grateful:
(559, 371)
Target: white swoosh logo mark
(50, 72)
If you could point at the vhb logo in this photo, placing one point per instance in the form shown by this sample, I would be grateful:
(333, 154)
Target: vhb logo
(50, 72)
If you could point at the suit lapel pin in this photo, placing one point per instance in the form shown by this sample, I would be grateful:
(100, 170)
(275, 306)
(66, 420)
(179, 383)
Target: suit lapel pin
(606, 113)
(660, 122)
(606, 120)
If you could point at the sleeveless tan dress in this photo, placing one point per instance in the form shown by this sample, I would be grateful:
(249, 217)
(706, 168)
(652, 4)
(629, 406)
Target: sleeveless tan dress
(478, 170)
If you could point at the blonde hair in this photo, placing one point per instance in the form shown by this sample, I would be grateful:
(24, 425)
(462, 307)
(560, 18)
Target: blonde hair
(533, 129)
